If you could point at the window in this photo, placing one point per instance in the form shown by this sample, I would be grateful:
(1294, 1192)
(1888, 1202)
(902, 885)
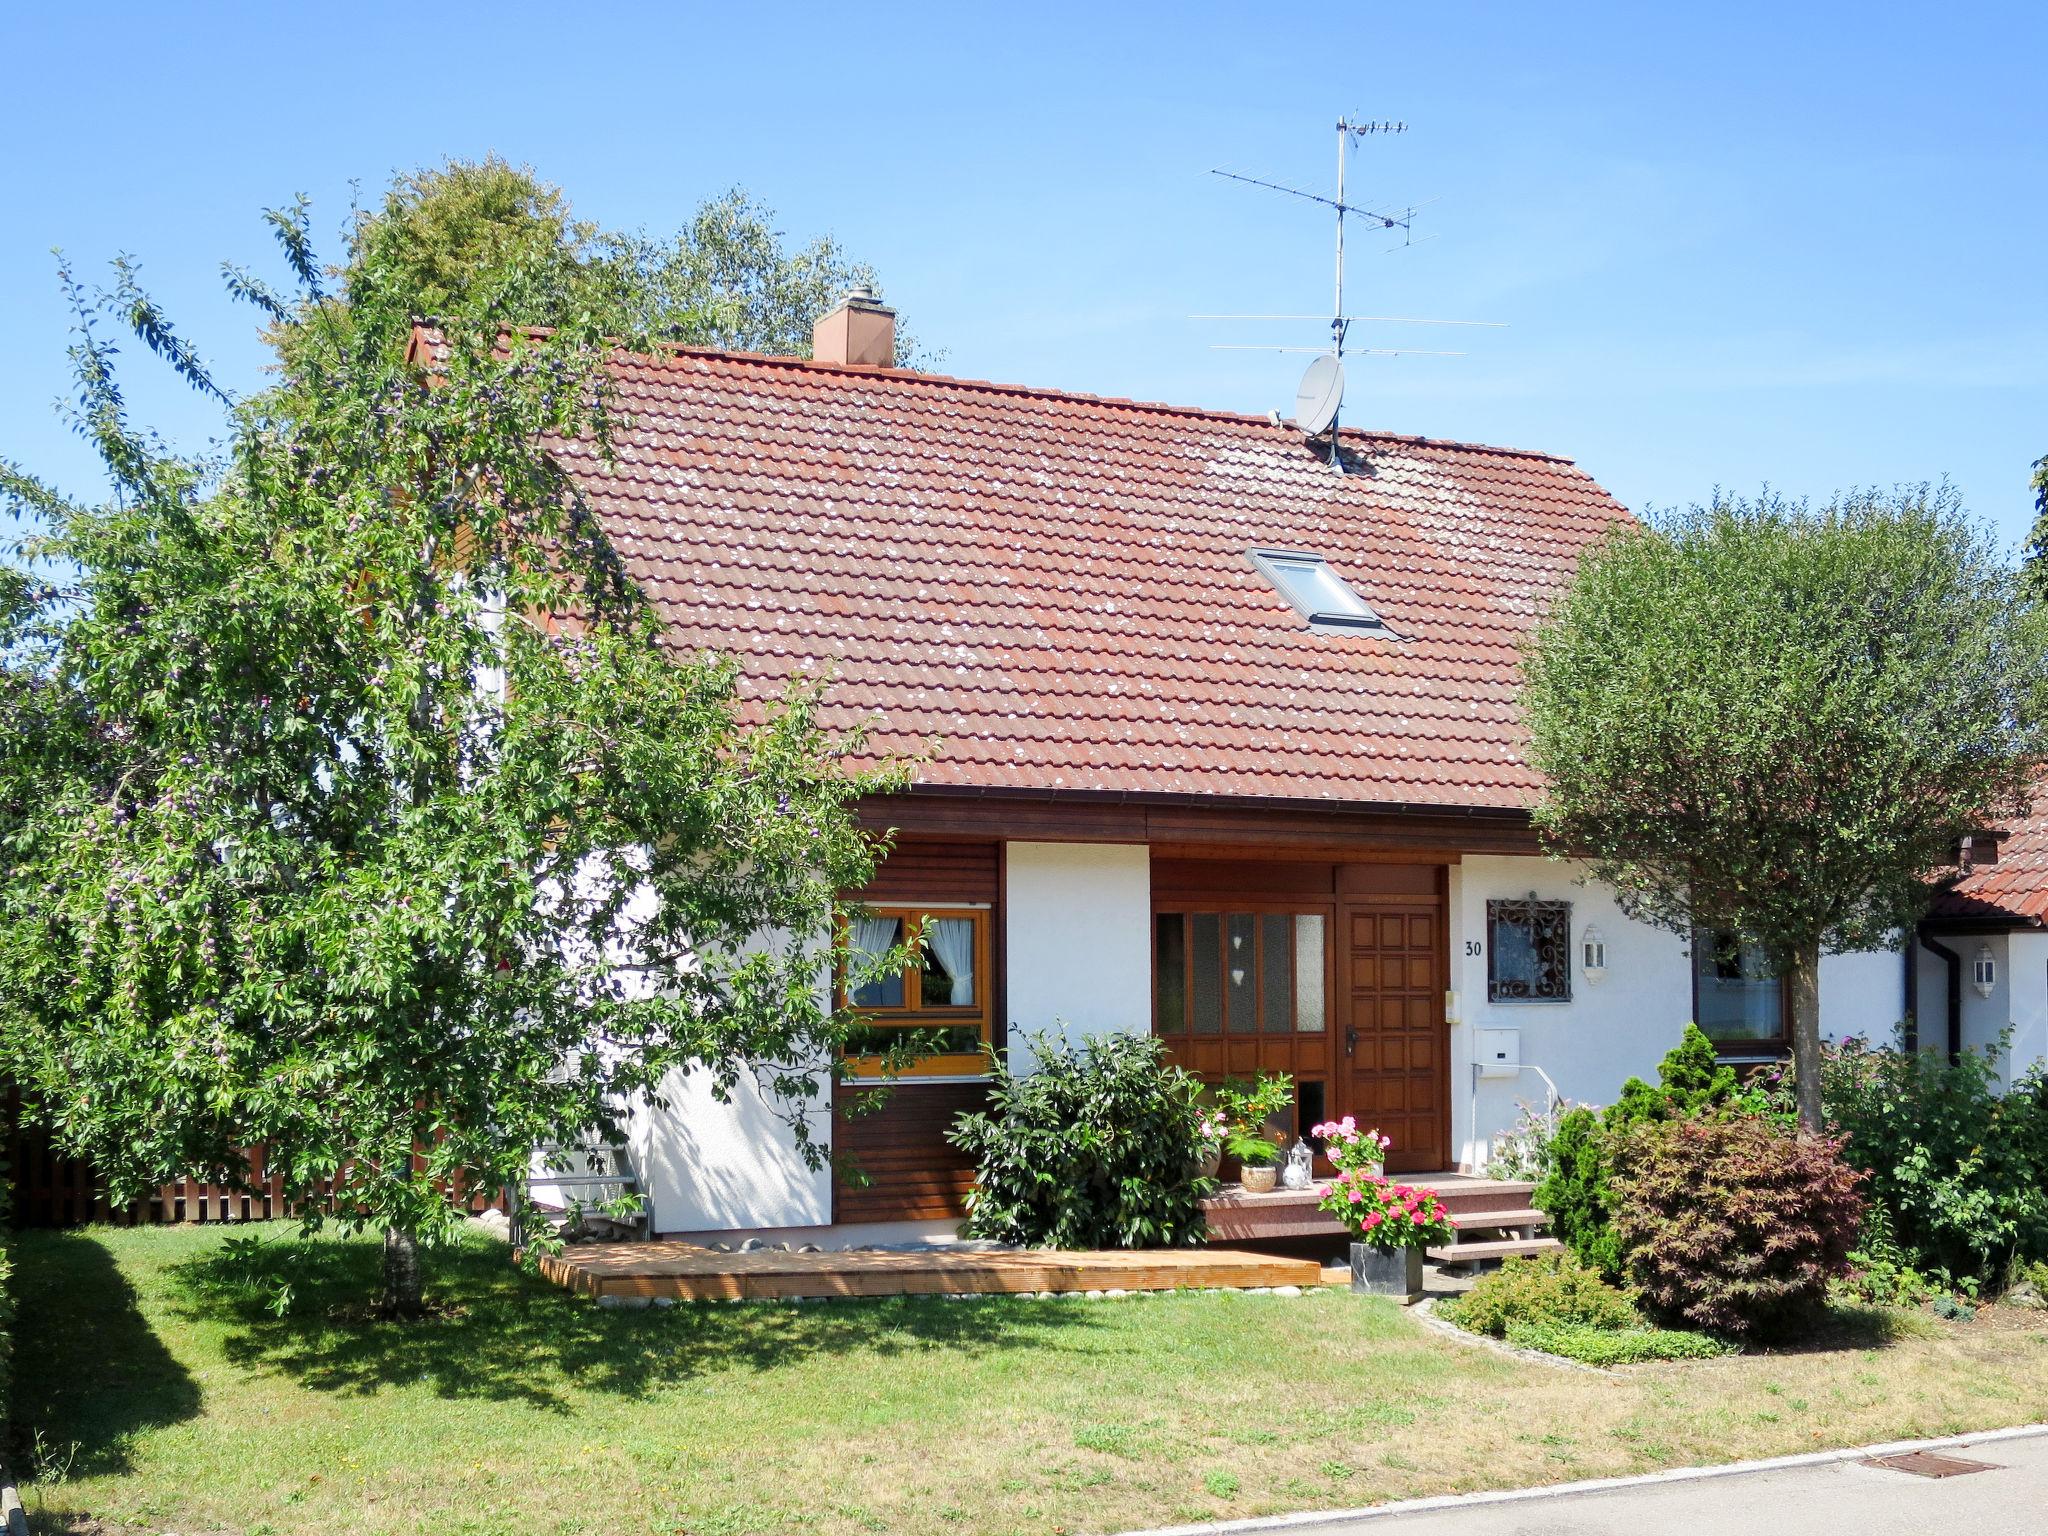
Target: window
(1528, 951)
(1738, 999)
(1240, 991)
(1238, 973)
(938, 1003)
(1318, 593)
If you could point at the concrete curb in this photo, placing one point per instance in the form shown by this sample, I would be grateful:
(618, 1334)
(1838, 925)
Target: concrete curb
(13, 1518)
(1310, 1520)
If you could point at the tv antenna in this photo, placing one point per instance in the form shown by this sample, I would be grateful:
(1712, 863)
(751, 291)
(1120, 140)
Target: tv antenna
(1321, 395)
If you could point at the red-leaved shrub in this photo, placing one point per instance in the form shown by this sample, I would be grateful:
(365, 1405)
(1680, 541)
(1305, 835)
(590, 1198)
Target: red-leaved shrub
(1735, 1226)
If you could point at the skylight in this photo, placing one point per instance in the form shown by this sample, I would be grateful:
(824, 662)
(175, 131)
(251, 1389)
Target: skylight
(1318, 593)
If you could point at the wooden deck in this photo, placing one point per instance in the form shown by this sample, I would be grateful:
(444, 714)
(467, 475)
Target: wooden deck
(686, 1272)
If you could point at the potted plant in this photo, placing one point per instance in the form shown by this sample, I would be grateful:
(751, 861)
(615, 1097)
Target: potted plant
(1391, 1224)
(1245, 1110)
(1211, 1131)
(1348, 1147)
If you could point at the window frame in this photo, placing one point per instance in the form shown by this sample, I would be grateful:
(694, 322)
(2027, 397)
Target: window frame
(978, 1015)
(1751, 1048)
(1321, 620)
(1308, 1056)
(1561, 956)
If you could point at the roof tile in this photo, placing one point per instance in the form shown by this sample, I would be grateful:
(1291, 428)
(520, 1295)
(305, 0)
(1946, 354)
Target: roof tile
(1056, 586)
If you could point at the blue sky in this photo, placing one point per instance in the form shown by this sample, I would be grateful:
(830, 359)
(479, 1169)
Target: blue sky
(1733, 244)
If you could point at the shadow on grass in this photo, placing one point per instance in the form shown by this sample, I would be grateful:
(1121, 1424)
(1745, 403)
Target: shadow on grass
(90, 1372)
(504, 1335)
(1851, 1326)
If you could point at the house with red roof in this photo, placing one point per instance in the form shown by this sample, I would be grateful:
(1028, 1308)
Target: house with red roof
(1978, 968)
(1216, 739)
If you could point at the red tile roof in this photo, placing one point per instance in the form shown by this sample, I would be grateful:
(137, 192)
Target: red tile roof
(2015, 889)
(1056, 586)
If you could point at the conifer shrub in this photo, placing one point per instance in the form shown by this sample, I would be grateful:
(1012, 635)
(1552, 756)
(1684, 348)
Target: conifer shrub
(1576, 1191)
(1735, 1226)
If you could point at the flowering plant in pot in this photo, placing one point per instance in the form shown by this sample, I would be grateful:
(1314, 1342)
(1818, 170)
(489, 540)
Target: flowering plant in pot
(1351, 1149)
(1245, 1109)
(1210, 1132)
(1392, 1223)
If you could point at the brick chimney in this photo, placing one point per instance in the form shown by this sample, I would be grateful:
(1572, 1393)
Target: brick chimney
(860, 329)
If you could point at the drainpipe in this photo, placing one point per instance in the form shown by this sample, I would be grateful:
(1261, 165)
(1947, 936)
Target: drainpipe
(1909, 1029)
(1954, 962)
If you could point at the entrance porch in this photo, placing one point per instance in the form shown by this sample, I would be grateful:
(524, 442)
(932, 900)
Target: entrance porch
(1494, 1217)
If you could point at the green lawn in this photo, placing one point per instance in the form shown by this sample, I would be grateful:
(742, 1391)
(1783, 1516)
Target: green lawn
(166, 1401)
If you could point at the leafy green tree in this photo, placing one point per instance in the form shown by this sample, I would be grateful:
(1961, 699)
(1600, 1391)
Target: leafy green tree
(2036, 566)
(352, 805)
(485, 240)
(1778, 721)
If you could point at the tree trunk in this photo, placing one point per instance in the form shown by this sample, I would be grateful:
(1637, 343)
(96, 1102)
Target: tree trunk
(1805, 982)
(402, 1294)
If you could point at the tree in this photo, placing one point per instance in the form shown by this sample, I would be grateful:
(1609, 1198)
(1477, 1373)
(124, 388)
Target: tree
(352, 805)
(1778, 722)
(488, 241)
(2036, 566)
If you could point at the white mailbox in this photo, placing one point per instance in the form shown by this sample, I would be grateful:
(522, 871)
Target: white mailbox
(1497, 1052)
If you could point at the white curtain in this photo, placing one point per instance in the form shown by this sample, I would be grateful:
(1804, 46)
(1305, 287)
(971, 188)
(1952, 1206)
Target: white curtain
(952, 940)
(874, 935)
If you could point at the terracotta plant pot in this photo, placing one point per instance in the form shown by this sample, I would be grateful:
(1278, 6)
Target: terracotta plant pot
(1395, 1272)
(1259, 1180)
(1211, 1161)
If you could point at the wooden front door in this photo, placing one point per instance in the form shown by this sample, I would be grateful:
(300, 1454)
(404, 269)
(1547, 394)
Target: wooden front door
(1393, 1042)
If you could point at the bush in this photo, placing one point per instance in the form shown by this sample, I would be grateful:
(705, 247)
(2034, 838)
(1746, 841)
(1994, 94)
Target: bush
(1098, 1148)
(1961, 1171)
(1607, 1346)
(1576, 1190)
(1550, 1289)
(1735, 1226)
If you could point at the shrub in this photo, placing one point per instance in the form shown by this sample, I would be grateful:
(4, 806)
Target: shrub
(1098, 1148)
(1606, 1346)
(1735, 1226)
(1576, 1189)
(1548, 1290)
(1960, 1170)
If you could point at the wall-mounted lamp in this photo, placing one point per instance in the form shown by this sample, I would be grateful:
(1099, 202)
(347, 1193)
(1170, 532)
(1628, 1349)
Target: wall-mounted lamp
(1593, 954)
(1986, 972)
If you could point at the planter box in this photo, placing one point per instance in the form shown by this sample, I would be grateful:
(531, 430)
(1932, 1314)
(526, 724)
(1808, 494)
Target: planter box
(1395, 1272)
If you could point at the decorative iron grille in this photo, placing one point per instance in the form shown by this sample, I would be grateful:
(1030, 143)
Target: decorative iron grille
(1529, 951)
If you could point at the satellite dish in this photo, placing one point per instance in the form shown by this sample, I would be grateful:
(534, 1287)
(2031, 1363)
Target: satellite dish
(1321, 392)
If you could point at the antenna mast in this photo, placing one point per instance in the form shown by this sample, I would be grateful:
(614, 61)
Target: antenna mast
(1348, 131)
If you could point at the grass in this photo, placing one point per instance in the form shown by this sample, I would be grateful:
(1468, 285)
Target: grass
(154, 1396)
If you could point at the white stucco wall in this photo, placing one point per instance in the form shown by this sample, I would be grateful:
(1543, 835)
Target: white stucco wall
(1609, 1031)
(2018, 1000)
(1077, 935)
(1863, 994)
(710, 1167)
(2027, 1002)
(1613, 1029)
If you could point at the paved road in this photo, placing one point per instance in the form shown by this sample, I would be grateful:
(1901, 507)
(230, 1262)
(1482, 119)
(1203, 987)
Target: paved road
(1833, 1499)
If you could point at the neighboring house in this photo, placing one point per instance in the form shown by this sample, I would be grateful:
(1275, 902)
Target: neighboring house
(1222, 744)
(1980, 965)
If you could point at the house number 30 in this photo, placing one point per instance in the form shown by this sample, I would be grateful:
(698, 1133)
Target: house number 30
(1472, 948)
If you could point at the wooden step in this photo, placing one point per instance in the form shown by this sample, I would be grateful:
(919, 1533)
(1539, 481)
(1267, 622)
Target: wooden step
(1506, 1248)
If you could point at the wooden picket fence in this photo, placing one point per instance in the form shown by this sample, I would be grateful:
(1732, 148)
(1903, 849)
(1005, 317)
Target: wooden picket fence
(49, 1189)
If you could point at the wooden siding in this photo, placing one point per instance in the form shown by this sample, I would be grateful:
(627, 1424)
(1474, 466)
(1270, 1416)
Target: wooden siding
(920, 869)
(915, 1174)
